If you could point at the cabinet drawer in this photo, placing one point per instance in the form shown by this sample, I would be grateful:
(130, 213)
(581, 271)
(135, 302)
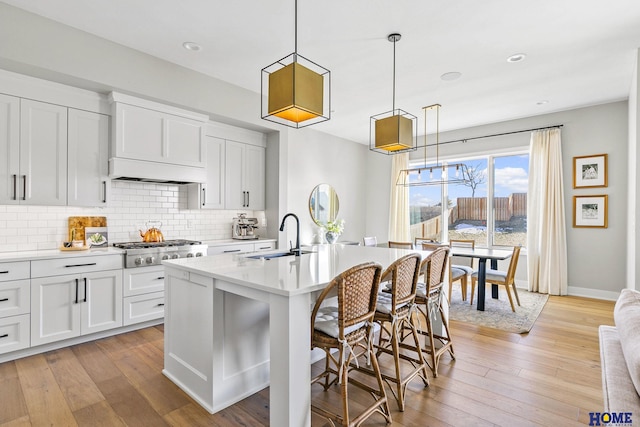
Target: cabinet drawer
(14, 298)
(14, 270)
(230, 249)
(264, 246)
(138, 281)
(140, 308)
(75, 265)
(14, 333)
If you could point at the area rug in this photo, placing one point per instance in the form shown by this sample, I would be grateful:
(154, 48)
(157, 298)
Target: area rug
(498, 314)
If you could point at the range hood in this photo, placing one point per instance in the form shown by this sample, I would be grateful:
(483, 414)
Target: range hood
(146, 171)
(154, 142)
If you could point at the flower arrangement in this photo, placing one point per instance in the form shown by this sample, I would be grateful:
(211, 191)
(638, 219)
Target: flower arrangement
(336, 226)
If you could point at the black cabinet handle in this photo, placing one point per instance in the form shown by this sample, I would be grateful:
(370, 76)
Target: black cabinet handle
(248, 200)
(104, 191)
(85, 289)
(204, 196)
(76, 291)
(4, 335)
(24, 187)
(80, 265)
(4, 299)
(4, 272)
(264, 247)
(15, 187)
(232, 250)
(160, 305)
(160, 278)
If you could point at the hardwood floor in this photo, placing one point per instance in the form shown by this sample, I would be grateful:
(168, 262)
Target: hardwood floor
(548, 377)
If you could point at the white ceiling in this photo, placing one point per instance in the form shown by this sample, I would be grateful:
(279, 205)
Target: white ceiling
(579, 52)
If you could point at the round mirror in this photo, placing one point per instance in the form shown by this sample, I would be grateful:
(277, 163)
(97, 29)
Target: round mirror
(323, 204)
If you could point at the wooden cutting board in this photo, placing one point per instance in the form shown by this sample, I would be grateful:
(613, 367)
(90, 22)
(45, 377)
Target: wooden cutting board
(79, 223)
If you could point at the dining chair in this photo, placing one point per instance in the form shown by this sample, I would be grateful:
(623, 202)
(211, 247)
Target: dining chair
(345, 333)
(370, 241)
(400, 245)
(462, 263)
(394, 310)
(420, 240)
(455, 273)
(504, 278)
(429, 303)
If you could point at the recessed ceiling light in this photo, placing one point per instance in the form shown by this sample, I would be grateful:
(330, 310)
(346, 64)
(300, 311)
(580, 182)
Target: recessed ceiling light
(192, 46)
(518, 57)
(452, 75)
(542, 102)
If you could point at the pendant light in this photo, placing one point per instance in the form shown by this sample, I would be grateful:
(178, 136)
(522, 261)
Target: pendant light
(450, 173)
(295, 91)
(393, 132)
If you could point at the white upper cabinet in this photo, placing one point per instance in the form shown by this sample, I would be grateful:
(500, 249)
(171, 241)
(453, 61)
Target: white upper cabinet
(245, 176)
(88, 146)
(149, 131)
(9, 148)
(210, 194)
(42, 179)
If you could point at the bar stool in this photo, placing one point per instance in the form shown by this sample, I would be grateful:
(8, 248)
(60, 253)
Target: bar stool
(393, 313)
(429, 302)
(349, 329)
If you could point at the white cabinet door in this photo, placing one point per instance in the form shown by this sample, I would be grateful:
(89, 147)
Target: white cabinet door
(9, 148)
(88, 151)
(101, 306)
(254, 176)
(43, 153)
(245, 176)
(235, 195)
(210, 194)
(54, 309)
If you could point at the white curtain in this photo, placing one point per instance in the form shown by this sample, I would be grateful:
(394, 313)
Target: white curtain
(546, 232)
(399, 230)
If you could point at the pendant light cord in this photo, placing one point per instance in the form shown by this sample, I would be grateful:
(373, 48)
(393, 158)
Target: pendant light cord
(295, 31)
(393, 104)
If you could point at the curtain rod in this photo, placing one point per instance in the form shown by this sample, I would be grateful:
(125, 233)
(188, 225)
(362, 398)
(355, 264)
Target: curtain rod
(463, 140)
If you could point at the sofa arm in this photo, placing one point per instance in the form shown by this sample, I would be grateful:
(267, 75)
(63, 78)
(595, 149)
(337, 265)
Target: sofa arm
(617, 387)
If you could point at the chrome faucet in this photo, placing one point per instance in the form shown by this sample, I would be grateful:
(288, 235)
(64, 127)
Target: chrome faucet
(295, 251)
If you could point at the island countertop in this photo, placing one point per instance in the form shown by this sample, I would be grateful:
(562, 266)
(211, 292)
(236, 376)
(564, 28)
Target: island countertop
(288, 275)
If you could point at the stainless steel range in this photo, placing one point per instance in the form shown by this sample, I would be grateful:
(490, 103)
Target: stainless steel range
(144, 254)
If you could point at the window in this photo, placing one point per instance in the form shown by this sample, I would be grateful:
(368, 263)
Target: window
(460, 211)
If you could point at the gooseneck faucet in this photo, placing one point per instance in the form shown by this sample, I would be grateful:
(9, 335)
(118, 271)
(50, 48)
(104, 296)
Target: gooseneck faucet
(296, 250)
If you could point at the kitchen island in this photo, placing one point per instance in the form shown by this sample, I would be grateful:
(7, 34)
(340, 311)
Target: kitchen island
(235, 325)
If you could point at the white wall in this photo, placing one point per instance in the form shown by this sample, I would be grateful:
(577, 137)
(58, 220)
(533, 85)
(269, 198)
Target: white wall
(633, 251)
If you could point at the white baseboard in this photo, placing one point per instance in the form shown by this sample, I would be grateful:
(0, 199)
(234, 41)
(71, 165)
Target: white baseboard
(593, 293)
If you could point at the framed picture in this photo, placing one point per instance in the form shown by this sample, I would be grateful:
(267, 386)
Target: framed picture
(96, 236)
(590, 171)
(590, 211)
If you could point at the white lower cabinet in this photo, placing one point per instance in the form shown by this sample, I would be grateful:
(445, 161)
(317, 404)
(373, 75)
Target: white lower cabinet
(71, 305)
(143, 294)
(240, 248)
(14, 333)
(140, 308)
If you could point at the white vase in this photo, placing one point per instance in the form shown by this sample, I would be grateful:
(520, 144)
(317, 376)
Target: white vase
(331, 236)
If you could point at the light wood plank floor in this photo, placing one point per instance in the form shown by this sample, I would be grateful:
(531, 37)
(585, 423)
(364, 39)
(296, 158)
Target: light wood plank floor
(548, 377)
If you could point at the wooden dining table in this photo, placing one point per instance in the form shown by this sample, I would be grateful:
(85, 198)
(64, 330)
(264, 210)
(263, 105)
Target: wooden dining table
(483, 254)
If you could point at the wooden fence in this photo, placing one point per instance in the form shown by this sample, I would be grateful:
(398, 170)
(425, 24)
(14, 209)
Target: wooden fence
(475, 208)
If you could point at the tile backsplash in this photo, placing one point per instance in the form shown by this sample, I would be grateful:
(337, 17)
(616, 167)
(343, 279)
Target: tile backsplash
(132, 204)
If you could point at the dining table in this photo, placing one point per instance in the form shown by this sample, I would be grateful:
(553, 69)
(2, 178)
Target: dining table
(483, 255)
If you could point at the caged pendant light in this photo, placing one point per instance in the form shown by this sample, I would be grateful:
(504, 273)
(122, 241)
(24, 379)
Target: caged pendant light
(295, 91)
(446, 173)
(393, 132)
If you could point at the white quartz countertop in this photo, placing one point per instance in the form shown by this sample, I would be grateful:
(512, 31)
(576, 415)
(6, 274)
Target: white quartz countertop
(288, 275)
(56, 253)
